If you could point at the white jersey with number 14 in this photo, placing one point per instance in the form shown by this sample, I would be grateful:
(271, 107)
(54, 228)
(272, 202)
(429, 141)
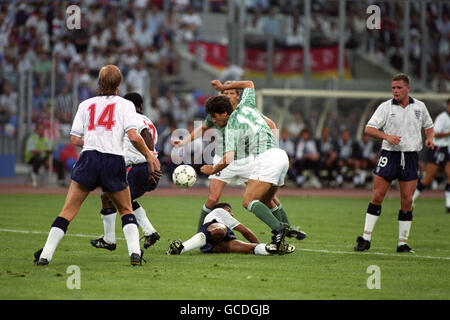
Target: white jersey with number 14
(103, 121)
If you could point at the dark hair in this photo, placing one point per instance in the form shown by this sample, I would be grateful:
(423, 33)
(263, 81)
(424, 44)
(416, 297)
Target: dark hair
(305, 130)
(136, 98)
(400, 77)
(218, 104)
(222, 205)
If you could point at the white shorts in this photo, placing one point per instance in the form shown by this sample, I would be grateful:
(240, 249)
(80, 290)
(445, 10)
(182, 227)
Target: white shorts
(238, 169)
(271, 166)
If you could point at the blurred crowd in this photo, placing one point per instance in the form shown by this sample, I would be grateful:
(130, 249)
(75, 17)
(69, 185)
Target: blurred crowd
(141, 38)
(284, 19)
(137, 36)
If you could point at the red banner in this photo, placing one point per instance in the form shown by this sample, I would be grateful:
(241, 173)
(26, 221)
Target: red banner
(285, 60)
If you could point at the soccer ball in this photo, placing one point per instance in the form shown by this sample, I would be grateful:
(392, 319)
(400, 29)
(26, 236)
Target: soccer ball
(184, 176)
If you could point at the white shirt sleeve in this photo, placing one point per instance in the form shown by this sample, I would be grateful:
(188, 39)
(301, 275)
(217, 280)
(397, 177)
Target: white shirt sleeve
(230, 221)
(78, 123)
(378, 119)
(129, 116)
(427, 122)
(439, 124)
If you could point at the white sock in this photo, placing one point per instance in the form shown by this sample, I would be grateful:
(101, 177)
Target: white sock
(415, 195)
(403, 231)
(109, 227)
(55, 235)
(131, 233)
(369, 225)
(362, 176)
(143, 221)
(447, 199)
(195, 242)
(260, 250)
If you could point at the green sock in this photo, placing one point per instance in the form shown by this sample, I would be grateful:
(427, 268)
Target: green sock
(203, 214)
(263, 212)
(280, 214)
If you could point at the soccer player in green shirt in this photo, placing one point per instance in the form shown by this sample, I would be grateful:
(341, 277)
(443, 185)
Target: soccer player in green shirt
(246, 126)
(241, 167)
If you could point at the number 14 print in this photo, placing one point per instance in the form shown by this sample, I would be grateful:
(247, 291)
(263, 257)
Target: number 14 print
(106, 118)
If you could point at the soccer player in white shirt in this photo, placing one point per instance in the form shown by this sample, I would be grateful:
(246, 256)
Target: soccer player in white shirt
(439, 157)
(216, 236)
(138, 181)
(99, 127)
(398, 122)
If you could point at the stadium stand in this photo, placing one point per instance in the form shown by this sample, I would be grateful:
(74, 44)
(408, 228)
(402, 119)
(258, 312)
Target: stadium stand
(150, 42)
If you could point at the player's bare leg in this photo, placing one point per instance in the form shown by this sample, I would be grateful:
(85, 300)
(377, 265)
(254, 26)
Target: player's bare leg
(234, 246)
(75, 197)
(122, 201)
(216, 187)
(430, 172)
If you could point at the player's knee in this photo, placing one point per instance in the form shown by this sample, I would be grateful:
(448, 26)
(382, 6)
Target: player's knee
(245, 203)
(106, 201)
(377, 197)
(213, 199)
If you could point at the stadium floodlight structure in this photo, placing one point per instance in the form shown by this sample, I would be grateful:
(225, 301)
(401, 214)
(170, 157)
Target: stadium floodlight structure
(371, 100)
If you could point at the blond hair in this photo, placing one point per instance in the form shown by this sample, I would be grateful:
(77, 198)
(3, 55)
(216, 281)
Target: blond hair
(109, 79)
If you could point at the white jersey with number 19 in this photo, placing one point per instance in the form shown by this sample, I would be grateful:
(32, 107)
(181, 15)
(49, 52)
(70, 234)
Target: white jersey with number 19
(103, 121)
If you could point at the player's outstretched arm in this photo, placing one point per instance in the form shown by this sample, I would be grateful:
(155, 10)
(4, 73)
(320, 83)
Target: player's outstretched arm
(247, 233)
(196, 133)
(238, 85)
(226, 160)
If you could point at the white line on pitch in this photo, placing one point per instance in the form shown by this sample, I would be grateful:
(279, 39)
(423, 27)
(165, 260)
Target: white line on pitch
(80, 235)
(409, 255)
(299, 249)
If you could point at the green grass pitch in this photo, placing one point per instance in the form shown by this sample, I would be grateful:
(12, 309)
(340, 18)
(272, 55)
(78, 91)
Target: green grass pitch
(323, 267)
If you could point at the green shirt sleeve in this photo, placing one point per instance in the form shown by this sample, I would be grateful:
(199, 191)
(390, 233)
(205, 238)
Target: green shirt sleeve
(248, 98)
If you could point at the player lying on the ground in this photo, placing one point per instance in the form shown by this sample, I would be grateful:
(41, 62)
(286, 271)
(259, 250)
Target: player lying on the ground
(138, 180)
(216, 236)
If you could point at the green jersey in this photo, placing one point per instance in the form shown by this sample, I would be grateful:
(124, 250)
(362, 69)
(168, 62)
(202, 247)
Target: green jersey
(246, 130)
(243, 151)
(220, 141)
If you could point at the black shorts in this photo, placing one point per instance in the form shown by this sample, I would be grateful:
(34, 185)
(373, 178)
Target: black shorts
(96, 169)
(209, 245)
(390, 167)
(139, 181)
(438, 156)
